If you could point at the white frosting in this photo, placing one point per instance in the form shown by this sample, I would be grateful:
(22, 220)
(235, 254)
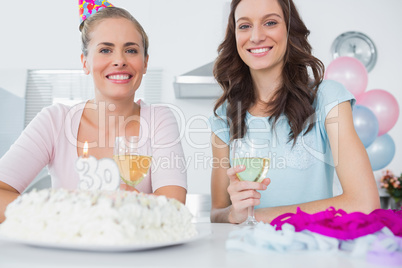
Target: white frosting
(97, 217)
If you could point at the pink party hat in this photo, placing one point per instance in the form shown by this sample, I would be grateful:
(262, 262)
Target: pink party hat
(89, 7)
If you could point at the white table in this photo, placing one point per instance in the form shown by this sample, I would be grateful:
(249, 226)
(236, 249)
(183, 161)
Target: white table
(209, 251)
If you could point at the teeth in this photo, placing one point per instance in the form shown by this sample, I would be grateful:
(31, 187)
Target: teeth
(259, 50)
(119, 77)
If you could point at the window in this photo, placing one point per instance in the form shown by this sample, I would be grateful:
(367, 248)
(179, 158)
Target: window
(45, 87)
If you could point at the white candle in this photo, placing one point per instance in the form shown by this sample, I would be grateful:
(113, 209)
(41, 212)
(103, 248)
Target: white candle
(97, 174)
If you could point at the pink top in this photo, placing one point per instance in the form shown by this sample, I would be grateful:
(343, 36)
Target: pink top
(51, 139)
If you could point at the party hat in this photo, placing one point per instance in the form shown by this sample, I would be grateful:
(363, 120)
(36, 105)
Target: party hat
(89, 7)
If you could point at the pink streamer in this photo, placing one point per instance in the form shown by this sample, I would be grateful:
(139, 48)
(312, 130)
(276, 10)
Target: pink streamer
(342, 225)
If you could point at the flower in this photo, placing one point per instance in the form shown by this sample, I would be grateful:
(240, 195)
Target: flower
(392, 184)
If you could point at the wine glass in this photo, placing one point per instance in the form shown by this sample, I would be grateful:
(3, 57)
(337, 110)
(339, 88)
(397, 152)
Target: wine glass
(253, 154)
(132, 158)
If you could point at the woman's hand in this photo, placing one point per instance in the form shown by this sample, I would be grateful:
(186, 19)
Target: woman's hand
(243, 194)
(126, 187)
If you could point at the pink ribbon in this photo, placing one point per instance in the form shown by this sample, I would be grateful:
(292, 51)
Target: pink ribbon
(390, 218)
(342, 225)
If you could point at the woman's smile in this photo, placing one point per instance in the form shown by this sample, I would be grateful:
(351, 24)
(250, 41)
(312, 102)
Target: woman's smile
(119, 77)
(262, 51)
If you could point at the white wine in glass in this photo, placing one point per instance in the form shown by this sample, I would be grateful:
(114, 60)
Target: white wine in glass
(133, 163)
(256, 168)
(253, 154)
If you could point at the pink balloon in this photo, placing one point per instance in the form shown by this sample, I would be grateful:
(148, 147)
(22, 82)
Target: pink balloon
(384, 105)
(350, 72)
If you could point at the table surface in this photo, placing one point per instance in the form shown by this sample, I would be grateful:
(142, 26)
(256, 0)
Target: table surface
(208, 251)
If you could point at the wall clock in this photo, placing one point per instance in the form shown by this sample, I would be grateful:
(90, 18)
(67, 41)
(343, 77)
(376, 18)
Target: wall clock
(357, 45)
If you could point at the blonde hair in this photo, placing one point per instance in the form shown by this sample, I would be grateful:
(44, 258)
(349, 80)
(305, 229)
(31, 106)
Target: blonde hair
(87, 26)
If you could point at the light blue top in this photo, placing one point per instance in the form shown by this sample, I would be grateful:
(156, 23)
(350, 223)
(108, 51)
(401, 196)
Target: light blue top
(305, 172)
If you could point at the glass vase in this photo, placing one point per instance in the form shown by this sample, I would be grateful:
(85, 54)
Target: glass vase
(395, 203)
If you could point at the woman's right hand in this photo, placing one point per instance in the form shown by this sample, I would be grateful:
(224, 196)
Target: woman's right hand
(243, 194)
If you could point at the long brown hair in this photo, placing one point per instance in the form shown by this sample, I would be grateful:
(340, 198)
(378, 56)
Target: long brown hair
(296, 95)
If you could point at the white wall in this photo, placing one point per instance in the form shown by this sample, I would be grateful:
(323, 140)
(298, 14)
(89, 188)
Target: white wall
(184, 34)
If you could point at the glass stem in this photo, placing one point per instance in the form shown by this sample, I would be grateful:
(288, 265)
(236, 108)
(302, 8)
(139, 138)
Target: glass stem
(251, 212)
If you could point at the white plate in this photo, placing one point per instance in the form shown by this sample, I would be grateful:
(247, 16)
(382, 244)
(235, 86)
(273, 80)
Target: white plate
(202, 232)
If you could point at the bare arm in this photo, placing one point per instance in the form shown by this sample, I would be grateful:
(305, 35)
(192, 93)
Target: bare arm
(7, 195)
(172, 191)
(220, 198)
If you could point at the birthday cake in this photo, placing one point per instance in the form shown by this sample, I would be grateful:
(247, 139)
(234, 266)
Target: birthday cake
(96, 217)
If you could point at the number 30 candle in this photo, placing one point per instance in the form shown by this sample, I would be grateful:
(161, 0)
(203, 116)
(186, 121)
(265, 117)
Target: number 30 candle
(97, 174)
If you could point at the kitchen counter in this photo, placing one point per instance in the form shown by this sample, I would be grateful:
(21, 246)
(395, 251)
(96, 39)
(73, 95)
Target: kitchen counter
(207, 251)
